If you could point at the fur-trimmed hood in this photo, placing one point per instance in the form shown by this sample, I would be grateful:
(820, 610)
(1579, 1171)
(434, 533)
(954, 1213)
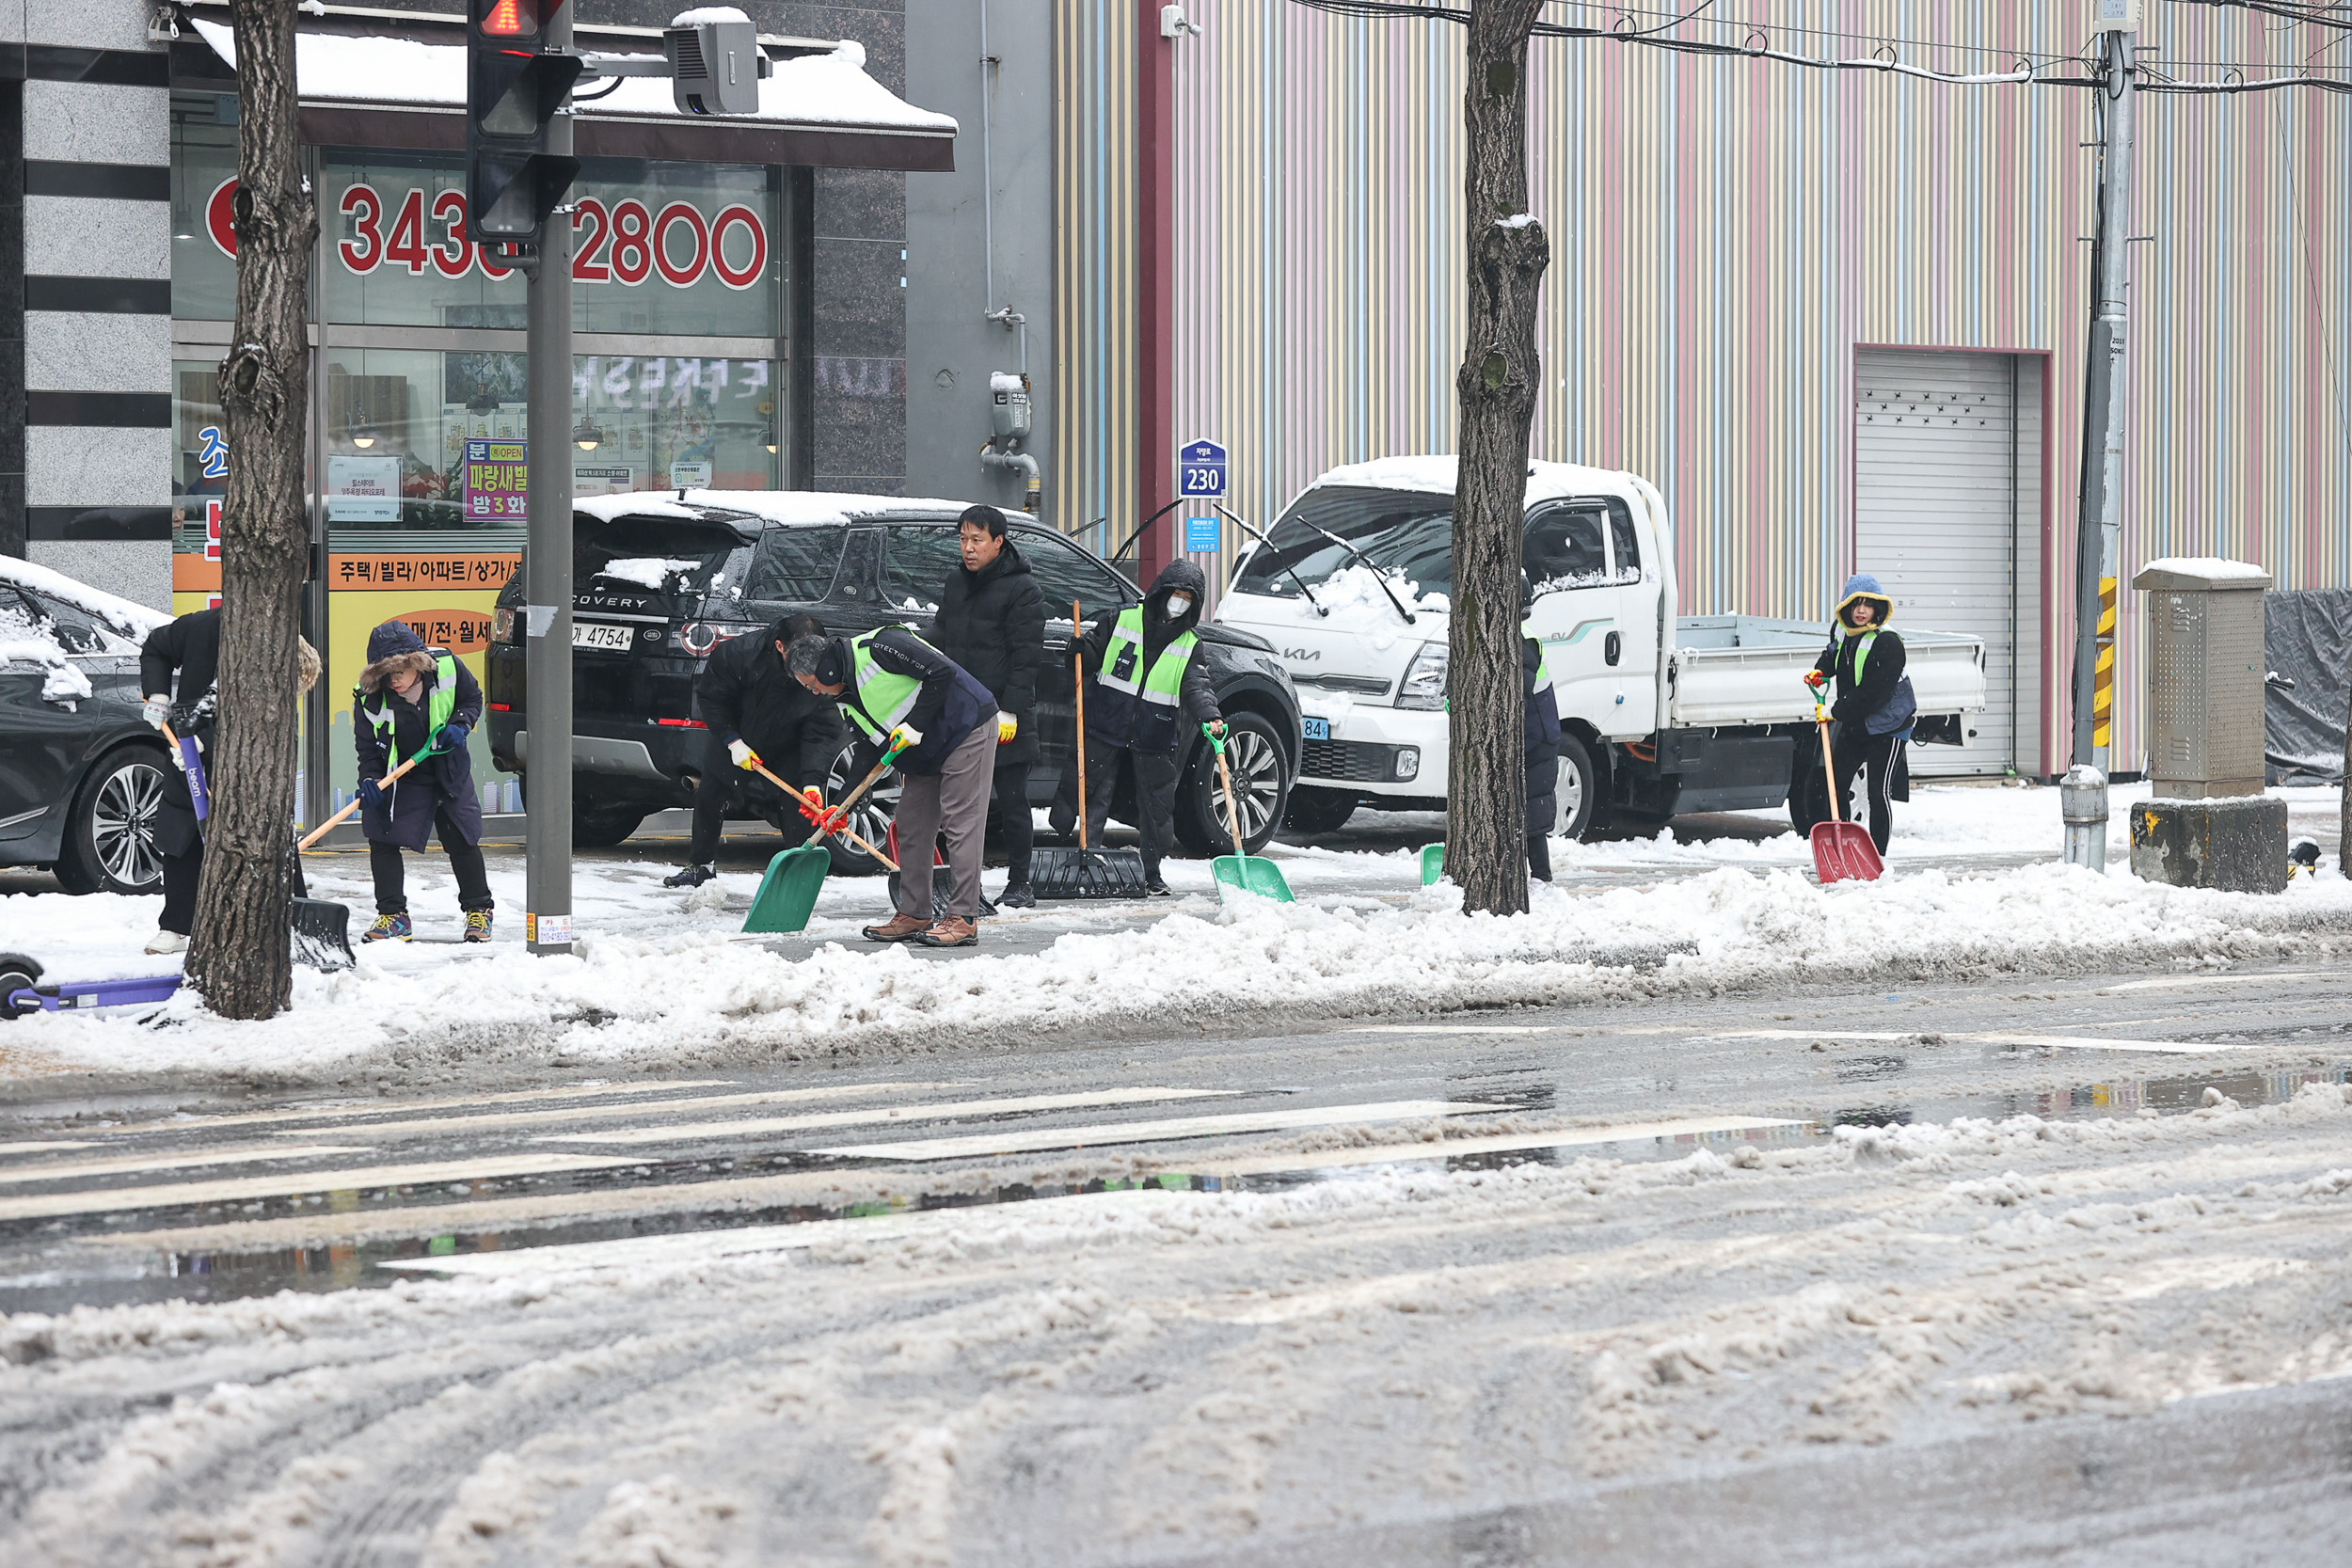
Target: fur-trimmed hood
(393, 647)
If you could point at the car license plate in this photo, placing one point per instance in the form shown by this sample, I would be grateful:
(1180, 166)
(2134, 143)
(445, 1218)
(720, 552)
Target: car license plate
(1315, 729)
(596, 634)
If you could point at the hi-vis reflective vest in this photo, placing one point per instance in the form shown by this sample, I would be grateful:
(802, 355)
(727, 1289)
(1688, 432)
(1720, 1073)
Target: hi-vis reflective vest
(439, 703)
(883, 698)
(1139, 707)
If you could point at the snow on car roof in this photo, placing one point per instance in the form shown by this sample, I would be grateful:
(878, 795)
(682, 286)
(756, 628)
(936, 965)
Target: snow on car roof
(1436, 475)
(795, 507)
(134, 620)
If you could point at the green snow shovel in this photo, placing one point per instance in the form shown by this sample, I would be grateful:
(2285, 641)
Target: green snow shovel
(1241, 870)
(1432, 862)
(787, 892)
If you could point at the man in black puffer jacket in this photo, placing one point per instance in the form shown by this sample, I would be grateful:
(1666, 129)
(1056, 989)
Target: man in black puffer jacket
(757, 713)
(991, 621)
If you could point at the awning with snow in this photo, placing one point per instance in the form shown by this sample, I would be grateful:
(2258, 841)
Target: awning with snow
(369, 89)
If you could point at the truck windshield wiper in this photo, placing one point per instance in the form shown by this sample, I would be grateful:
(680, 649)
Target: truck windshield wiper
(1377, 576)
(1286, 566)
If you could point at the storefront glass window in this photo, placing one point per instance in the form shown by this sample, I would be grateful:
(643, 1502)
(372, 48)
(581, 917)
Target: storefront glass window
(661, 247)
(204, 178)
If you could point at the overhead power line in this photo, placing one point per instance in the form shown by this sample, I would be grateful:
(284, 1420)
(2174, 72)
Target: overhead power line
(2029, 68)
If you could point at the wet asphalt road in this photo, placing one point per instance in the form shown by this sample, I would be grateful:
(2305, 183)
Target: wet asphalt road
(204, 1194)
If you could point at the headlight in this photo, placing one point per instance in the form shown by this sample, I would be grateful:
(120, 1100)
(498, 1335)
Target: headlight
(1424, 678)
(502, 625)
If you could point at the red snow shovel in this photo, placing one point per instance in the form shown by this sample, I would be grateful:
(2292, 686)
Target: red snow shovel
(1842, 850)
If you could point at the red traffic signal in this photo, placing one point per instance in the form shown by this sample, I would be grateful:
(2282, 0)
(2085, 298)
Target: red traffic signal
(511, 19)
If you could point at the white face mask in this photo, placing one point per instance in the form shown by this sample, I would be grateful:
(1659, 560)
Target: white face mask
(1178, 604)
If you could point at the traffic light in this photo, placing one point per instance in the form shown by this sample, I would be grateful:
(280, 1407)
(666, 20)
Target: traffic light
(514, 86)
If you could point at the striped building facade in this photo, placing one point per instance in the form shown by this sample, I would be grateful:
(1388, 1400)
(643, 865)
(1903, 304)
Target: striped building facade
(1742, 252)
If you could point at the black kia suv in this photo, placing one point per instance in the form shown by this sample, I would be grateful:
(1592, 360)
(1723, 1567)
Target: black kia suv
(659, 583)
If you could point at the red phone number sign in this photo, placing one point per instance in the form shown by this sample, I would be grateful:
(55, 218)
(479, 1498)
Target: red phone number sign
(623, 242)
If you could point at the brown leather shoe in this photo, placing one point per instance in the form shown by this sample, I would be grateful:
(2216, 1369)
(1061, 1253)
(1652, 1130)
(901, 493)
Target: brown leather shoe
(904, 927)
(954, 931)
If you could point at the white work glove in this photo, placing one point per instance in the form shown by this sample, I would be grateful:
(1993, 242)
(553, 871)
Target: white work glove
(1007, 727)
(156, 711)
(744, 757)
(905, 737)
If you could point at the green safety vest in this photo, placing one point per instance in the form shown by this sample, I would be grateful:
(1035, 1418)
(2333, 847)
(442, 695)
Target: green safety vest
(438, 704)
(1140, 706)
(1862, 653)
(878, 699)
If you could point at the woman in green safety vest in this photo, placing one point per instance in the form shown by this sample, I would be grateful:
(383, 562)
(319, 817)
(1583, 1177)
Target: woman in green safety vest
(1149, 689)
(900, 693)
(414, 700)
(1874, 707)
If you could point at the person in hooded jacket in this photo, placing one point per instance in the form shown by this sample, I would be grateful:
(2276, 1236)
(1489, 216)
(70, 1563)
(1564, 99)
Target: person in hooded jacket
(1150, 690)
(1874, 706)
(991, 621)
(904, 695)
(758, 714)
(179, 669)
(1543, 757)
(414, 700)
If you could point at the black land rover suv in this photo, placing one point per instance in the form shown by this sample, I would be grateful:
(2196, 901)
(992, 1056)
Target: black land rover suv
(659, 583)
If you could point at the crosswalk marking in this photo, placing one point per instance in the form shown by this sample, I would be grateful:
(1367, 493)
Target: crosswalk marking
(290, 1184)
(1448, 1149)
(696, 1245)
(178, 1160)
(51, 1147)
(1011, 1141)
(2178, 982)
(203, 1122)
(621, 1108)
(1993, 1036)
(1456, 1029)
(695, 1130)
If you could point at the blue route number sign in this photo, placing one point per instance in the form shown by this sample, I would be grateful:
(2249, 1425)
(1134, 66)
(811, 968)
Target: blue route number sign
(1201, 469)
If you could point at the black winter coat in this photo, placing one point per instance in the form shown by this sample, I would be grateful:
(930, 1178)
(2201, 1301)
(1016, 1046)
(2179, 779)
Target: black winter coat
(442, 784)
(1197, 700)
(1881, 675)
(181, 659)
(745, 691)
(1543, 741)
(993, 622)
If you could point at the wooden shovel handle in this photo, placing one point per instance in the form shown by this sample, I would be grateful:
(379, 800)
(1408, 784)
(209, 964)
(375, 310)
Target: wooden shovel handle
(1078, 690)
(1829, 767)
(814, 804)
(320, 832)
(1232, 813)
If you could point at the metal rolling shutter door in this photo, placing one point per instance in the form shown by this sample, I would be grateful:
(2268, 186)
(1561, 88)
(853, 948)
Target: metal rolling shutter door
(1937, 473)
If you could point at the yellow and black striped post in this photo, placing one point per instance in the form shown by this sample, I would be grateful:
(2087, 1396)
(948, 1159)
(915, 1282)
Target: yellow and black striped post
(2103, 690)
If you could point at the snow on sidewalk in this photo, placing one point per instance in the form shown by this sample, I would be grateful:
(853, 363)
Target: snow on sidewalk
(667, 984)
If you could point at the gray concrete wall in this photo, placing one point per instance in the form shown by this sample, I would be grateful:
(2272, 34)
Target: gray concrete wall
(951, 349)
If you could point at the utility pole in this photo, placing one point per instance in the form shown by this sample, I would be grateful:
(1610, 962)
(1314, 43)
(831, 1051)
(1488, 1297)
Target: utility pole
(548, 558)
(2100, 527)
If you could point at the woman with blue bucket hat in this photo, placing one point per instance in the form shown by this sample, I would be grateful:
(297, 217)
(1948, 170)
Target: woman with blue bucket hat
(1875, 709)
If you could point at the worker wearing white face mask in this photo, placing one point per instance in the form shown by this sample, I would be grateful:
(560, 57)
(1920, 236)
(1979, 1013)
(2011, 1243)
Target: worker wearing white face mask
(1149, 691)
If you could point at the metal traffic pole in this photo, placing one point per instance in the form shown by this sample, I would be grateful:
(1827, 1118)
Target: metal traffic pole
(548, 563)
(2100, 526)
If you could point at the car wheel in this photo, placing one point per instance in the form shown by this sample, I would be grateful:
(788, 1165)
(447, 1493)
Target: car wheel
(1579, 787)
(1253, 750)
(110, 840)
(869, 818)
(1314, 809)
(602, 827)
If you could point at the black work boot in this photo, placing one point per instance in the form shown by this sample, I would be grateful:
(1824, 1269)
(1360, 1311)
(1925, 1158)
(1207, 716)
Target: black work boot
(1018, 895)
(694, 876)
(1151, 882)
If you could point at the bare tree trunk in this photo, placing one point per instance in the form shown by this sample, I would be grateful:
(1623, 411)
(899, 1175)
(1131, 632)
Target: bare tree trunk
(240, 955)
(1485, 827)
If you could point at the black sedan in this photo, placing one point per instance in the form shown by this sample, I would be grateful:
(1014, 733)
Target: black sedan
(659, 583)
(80, 773)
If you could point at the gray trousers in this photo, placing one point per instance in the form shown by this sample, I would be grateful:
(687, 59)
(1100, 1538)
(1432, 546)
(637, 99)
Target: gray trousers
(952, 802)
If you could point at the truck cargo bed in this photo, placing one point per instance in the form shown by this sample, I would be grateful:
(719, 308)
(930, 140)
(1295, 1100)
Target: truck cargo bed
(1734, 671)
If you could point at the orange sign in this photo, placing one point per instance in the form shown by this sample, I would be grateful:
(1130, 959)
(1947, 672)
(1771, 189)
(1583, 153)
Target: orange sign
(461, 631)
(378, 569)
